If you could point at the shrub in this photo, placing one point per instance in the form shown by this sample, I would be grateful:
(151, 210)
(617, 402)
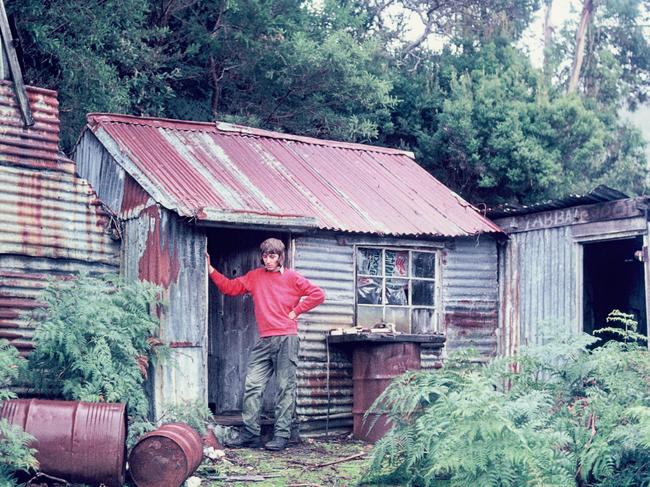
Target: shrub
(95, 339)
(15, 453)
(193, 413)
(559, 414)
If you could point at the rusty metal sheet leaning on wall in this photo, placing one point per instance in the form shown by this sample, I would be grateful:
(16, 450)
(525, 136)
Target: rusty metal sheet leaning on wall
(541, 267)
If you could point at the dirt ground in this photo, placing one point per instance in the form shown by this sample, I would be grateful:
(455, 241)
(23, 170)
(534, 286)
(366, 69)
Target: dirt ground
(302, 465)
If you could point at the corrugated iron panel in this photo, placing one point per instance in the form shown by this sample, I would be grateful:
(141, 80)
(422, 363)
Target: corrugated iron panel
(599, 194)
(470, 295)
(224, 173)
(52, 222)
(35, 147)
(543, 264)
(113, 185)
(330, 266)
(161, 248)
(22, 279)
(52, 215)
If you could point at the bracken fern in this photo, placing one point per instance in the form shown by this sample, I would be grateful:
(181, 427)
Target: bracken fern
(95, 340)
(570, 412)
(15, 451)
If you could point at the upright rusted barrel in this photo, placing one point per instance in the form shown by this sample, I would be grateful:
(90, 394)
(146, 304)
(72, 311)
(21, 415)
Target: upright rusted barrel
(374, 365)
(166, 457)
(78, 441)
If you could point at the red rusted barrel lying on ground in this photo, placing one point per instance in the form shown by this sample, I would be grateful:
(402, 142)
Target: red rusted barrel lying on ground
(166, 457)
(81, 442)
(374, 366)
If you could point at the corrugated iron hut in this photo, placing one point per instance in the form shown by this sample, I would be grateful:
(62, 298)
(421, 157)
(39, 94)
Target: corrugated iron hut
(385, 240)
(568, 263)
(52, 222)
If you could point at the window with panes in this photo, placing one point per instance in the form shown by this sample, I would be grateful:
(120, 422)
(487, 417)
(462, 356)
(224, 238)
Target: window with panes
(396, 286)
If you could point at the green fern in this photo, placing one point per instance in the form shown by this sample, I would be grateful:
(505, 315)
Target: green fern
(558, 414)
(15, 451)
(95, 340)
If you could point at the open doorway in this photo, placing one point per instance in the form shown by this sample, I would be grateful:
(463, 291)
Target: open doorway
(613, 279)
(232, 331)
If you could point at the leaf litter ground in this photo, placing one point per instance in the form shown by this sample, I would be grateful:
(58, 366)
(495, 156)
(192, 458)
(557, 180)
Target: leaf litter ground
(301, 465)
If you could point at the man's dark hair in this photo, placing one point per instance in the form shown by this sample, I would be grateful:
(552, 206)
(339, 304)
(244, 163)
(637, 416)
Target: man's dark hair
(273, 246)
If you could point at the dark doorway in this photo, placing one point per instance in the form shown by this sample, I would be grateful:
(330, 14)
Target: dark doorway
(232, 330)
(613, 279)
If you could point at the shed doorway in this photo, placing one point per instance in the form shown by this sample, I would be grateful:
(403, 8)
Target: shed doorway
(613, 278)
(232, 330)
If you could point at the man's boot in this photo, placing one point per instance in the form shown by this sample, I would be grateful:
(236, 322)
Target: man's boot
(246, 439)
(277, 443)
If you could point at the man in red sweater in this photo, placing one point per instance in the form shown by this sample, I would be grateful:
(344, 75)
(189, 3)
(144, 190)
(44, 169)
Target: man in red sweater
(280, 295)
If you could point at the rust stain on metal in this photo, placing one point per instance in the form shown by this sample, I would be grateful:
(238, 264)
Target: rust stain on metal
(166, 457)
(135, 198)
(78, 441)
(471, 319)
(374, 366)
(159, 262)
(183, 344)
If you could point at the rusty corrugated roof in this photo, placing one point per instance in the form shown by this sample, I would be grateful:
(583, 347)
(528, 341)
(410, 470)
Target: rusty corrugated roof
(223, 173)
(599, 194)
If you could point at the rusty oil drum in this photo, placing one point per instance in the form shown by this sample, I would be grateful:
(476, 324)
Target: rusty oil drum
(78, 441)
(166, 457)
(374, 366)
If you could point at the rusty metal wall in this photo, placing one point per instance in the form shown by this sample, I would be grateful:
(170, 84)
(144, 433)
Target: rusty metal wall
(469, 314)
(53, 225)
(97, 166)
(540, 266)
(162, 248)
(470, 295)
(329, 265)
(540, 271)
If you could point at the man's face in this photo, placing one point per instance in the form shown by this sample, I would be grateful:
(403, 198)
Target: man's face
(271, 261)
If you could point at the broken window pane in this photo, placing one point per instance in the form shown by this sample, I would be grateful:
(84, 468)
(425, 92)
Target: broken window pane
(424, 264)
(396, 263)
(368, 316)
(369, 290)
(423, 293)
(399, 316)
(397, 291)
(369, 262)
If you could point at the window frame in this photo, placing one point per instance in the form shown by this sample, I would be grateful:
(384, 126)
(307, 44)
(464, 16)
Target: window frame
(436, 279)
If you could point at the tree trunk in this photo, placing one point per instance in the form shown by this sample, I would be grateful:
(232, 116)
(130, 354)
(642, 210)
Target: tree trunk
(216, 87)
(548, 38)
(587, 12)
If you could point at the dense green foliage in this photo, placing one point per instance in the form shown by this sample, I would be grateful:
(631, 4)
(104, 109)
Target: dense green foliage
(482, 120)
(476, 113)
(558, 414)
(15, 453)
(95, 340)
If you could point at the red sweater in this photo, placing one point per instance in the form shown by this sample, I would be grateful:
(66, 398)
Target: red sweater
(275, 295)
